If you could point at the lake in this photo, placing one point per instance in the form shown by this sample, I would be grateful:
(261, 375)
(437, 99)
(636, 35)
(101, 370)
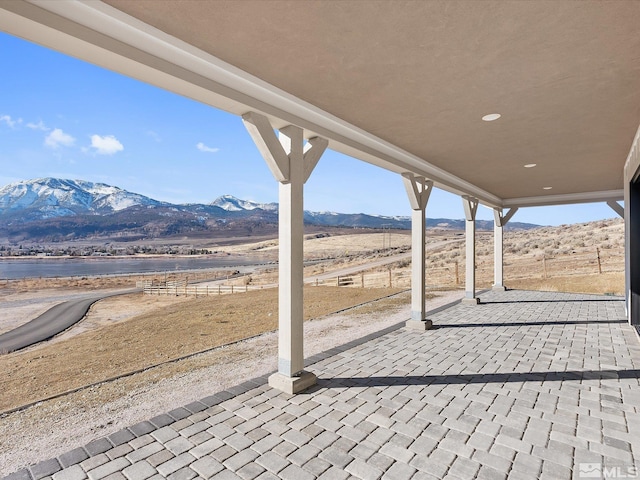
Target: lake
(84, 267)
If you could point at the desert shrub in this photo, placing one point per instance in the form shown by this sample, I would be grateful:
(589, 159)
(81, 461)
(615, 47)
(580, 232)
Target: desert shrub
(403, 263)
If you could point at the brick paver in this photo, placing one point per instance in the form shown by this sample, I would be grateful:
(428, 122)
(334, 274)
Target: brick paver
(525, 385)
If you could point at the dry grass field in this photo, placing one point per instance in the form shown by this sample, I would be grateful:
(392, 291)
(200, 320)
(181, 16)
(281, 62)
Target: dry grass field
(168, 332)
(581, 258)
(136, 333)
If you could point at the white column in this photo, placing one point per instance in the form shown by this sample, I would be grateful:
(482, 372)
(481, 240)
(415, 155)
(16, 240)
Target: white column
(498, 259)
(290, 260)
(498, 246)
(418, 191)
(291, 163)
(470, 208)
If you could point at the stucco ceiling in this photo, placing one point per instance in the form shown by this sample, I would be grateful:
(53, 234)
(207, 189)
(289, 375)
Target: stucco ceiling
(564, 75)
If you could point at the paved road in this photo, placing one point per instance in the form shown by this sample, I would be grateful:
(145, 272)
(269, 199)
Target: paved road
(50, 323)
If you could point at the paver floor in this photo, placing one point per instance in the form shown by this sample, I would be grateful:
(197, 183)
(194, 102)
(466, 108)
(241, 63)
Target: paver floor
(525, 385)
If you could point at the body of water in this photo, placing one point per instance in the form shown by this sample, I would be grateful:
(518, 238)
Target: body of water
(93, 266)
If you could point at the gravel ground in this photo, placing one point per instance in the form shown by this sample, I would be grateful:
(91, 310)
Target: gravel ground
(53, 427)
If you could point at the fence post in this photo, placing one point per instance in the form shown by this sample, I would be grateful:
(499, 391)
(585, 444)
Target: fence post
(457, 274)
(362, 280)
(218, 289)
(338, 281)
(599, 264)
(231, 288)
(390, 285)
(544, 264)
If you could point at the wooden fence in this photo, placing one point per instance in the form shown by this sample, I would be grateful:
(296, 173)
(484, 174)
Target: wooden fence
(195, 290)
(391, 278)
(452, 274)
(439, 275)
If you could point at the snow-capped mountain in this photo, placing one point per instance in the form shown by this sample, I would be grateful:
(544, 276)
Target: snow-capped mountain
(52, 197)
(51, 209)
(233, 204)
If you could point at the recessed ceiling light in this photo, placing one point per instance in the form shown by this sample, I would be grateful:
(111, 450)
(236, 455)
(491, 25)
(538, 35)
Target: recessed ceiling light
(547, 188)
(491, 117)
(530, 165)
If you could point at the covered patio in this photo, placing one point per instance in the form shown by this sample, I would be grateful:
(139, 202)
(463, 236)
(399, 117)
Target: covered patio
(524, 385)
(506, 104)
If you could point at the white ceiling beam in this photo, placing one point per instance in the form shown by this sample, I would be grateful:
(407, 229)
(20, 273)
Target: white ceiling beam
(470, 206)
(268, 145)
(312, 153)
(616, 207)
(418, 190)
(505, 218)
(502, 219)
(566, 199)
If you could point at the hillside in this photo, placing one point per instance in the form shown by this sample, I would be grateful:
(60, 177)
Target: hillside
(49, 210)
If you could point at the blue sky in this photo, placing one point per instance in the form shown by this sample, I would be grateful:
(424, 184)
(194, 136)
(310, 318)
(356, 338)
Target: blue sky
(61, 117)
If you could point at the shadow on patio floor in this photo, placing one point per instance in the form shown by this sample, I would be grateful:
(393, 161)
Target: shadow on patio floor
(526, 324)
(386, 381)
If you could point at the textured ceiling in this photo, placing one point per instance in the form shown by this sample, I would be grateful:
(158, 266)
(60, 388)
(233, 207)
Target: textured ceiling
(564, 75)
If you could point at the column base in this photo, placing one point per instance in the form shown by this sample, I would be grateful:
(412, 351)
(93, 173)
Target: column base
(292, 385)
(420, 325)
(499, 288)
(470, 301)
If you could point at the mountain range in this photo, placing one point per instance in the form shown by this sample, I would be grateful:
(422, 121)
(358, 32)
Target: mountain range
(52, 209)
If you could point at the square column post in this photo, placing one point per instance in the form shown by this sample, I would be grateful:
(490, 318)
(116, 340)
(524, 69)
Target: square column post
(498, 246)
(470, 208)
(498, 250)
(291, 163)
(290, 268)
(418, 191)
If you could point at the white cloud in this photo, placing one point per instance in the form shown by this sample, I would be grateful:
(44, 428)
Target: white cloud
(203, 148)
(11, 123)
(57, 137)
(107, 145)
(38, 126)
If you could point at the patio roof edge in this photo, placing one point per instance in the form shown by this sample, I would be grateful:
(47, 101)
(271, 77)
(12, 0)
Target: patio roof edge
(566, 199)
(87, 30)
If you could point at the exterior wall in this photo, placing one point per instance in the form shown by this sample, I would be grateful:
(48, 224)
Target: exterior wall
(632, 231)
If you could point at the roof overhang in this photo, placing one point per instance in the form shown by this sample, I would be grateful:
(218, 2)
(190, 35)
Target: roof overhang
(107, 36)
